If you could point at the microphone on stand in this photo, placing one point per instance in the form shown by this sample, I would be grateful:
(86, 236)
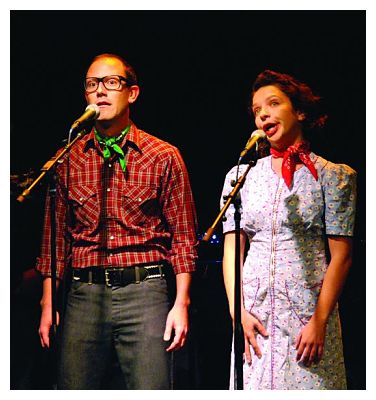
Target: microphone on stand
(252, 141)
(91, 112)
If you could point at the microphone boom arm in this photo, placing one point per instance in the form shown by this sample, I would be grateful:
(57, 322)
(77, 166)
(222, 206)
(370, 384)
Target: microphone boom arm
(230, 198)
(48, 166)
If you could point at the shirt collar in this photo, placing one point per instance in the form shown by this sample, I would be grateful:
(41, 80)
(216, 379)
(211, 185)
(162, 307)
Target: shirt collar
(132, 138)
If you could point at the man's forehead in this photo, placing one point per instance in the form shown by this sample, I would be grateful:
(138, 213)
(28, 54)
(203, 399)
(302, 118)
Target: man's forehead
(108, 63)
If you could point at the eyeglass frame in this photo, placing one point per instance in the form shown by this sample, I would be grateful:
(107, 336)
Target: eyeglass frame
(99, 80)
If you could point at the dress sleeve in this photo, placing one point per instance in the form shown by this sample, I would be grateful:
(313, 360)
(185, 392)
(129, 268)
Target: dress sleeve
(339, 185)
(228, 222)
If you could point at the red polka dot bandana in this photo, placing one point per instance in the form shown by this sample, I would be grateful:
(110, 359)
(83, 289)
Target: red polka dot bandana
(290, 157)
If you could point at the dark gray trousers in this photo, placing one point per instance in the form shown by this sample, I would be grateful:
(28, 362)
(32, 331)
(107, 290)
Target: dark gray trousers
(130, 318)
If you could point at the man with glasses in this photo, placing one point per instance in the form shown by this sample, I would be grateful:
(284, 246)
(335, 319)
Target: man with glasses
(125, 210)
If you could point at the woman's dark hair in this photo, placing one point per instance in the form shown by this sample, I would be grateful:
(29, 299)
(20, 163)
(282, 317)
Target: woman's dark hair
(129, 71)
(300, 95)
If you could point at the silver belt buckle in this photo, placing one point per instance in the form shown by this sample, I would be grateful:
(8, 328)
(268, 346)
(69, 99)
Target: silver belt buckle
(160, 275)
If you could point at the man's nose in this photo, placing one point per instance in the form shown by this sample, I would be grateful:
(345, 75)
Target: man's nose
(100, 88)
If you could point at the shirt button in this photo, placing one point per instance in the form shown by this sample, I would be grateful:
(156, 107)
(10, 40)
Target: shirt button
(109, 165)
(112, 237)
(108, 190)
(139, 199)
(81, 198)
(111, 254)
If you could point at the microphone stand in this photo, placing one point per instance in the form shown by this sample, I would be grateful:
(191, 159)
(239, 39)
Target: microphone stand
(233, 198)
(49, 169)
(49, 165)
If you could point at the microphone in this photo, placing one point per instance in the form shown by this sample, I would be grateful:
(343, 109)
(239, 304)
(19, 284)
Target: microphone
(255, 137)
(91, 112)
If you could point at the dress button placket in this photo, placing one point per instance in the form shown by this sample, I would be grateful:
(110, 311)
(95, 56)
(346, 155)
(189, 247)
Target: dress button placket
(272, 274)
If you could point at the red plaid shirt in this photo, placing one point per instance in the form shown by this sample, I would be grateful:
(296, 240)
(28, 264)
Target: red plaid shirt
(117, 219)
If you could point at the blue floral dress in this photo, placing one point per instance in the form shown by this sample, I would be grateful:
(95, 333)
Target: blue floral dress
(285, 266)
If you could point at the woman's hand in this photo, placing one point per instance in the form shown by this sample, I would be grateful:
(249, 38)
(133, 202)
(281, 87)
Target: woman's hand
(310, 342)
(252, 326)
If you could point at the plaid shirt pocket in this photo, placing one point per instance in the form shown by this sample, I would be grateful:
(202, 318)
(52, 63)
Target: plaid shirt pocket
(140, 205)
(85, 206)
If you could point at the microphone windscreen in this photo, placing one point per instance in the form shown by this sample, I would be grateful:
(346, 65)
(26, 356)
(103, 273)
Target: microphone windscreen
(259, 133)
(95, 108)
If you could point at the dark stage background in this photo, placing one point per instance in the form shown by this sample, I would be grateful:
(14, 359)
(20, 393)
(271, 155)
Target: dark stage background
(195, 70)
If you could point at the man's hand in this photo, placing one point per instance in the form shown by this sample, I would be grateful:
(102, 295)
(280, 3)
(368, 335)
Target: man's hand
(45, 325)
(177, 321)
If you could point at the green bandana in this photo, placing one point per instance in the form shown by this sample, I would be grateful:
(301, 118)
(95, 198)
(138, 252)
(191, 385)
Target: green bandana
(111, 143)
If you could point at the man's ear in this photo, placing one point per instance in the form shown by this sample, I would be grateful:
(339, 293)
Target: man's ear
(134, 91)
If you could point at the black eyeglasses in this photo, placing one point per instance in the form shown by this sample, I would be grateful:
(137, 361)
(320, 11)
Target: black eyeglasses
(111, 82)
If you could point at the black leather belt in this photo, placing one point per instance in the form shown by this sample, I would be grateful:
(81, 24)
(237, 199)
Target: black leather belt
(118, 276)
